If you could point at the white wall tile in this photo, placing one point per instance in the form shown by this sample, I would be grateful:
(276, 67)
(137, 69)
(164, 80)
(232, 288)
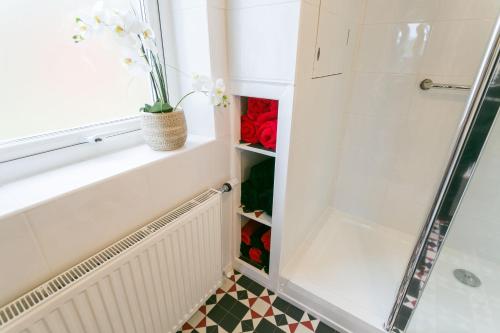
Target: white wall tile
(354, 10)
(394, 48)
(467, 9)
(457, 47)
(398, 138)
(262, 42)
(392, 11)
(331, 40)
(178, 5)
(317, 126)
(234, 4)
(173, 182)
(370, 151)
(22, 263)
(78, 225)
(333, 6)
(384, 94)
(401, 210)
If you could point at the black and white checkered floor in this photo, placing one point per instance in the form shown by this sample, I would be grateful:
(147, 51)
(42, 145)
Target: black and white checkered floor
(242, 305)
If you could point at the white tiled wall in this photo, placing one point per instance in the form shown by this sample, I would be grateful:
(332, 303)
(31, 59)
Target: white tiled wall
(49, 238)
(397, 137)
(317, 127)
(262, 39)
(19, 245)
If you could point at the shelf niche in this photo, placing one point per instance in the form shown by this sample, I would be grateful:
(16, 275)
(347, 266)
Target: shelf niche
(256, 244)
(251, 154)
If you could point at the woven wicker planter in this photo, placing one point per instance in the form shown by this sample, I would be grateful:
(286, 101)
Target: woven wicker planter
(164, 131)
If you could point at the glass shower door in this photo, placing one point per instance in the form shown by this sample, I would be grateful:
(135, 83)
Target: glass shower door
(453, 281)
(463, 291)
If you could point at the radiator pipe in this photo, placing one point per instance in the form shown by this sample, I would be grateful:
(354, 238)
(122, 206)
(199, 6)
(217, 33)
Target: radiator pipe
(228, 186)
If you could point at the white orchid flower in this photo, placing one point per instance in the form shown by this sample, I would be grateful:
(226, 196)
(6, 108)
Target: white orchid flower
(147, 33)
(117, 25)
(148, 38)
(129, 41)
(217, 96)
(84, 30)
(131, 23)
(215, 92)
(100, 16)
(215, 100)
(83, 27)
(126, 29)
(202, 83)
(135, 63)
(220, 87)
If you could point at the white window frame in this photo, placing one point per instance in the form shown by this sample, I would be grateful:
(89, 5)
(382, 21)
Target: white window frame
(101, 133)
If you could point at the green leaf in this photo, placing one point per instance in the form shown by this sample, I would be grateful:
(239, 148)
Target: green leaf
(146, 108)
(159, 107)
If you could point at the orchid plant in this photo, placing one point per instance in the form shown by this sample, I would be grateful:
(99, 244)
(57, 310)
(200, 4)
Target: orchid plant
(140, 55)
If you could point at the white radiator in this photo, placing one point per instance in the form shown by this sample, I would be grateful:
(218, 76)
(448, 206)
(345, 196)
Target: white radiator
(150, 281)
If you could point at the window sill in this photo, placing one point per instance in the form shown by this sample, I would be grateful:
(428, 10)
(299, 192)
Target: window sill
(21, 195)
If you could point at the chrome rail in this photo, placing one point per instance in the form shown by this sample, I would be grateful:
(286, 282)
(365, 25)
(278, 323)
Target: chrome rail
(427, 84)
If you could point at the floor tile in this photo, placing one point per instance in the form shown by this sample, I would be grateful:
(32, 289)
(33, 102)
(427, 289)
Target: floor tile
(322, 328)
(217, 313)
(294, 312)
(242, 305)
(247, 325)
(265, 327)
(229, 323)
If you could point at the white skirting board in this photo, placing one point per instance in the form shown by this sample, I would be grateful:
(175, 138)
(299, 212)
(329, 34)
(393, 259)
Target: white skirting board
(150, 281)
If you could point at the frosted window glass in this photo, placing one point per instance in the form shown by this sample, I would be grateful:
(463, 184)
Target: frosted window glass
(48, 83)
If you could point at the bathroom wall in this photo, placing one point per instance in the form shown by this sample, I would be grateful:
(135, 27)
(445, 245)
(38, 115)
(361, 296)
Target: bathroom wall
(43, 240)
(398, 137)
(262, 37)
(317, 126)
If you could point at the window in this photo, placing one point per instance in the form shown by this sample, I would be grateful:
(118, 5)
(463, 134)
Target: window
(51, 87)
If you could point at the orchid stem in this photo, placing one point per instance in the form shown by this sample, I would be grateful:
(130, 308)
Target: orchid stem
(183, 97)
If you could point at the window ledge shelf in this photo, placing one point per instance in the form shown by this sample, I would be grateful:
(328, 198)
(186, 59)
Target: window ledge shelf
(23, 194)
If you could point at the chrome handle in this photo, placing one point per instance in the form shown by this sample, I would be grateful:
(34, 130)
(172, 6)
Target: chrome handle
(427, 84)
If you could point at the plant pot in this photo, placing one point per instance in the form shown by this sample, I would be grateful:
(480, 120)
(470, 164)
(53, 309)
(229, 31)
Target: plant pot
(164, 131)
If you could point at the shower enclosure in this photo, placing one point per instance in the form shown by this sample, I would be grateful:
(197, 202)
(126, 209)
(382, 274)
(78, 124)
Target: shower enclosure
(412, 92)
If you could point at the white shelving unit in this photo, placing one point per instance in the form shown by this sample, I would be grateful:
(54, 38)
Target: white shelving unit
(264, 218)
(249, 147)
(247, 155)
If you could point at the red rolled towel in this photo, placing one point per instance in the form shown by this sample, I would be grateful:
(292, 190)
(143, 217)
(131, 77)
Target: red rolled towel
(267, 134)
(263, 117)
(255, 254)
(257, 106)
(248, 130)
(266, 240)
(248, 230)
(273, 106)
